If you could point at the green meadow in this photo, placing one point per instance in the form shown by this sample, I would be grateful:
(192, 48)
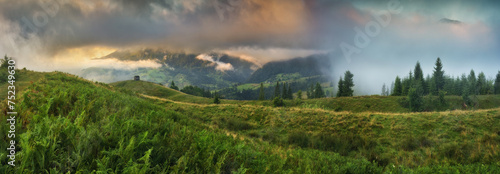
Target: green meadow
(70, 125)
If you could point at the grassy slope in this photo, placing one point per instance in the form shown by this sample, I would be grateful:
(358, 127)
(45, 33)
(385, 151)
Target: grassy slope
(156, 90)
(389, 104)
(114, 130)
(419, 139)
(376, 128)
(73, 125)
(24, 78)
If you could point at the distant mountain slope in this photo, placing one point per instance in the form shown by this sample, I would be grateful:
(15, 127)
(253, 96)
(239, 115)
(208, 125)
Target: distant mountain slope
(210, 70)
(310, 66)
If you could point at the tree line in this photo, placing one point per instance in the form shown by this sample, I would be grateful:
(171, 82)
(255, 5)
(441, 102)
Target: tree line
(439, 84)
(282, 90)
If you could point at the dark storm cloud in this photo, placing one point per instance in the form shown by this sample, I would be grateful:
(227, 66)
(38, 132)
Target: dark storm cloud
(195, 24)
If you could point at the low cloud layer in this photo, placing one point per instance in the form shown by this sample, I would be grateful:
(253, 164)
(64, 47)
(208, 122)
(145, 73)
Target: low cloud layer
(220, 66)
(122, 65)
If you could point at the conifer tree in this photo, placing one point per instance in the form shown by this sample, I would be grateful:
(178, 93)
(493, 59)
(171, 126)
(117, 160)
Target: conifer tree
(438, 76)
(481, 85)
(277, 90)
(172, 85)
(464, 82)
(340, 90)
(418, 74)
(5, 62)
(419, 78)
(262, 95)
(318, 92)
(284, 93)
(398, 88)
(348, 84)
(472, 83)
(290, 93)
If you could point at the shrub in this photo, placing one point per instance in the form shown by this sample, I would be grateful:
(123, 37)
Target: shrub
(216, 99)
(277, 102)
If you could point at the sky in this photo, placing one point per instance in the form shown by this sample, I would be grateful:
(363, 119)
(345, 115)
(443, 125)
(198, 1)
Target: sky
(375, 40)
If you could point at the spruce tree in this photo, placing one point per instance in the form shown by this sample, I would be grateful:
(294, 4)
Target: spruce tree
(497, 84)
(419, 75)
(5, 62)
(398, 88)
(284, 93)
(438, 76)
(419, 78)
(481, 85)
(318, 92)
(262, 95)
(172, 85)
(407, 83)
(472, 83)
(277, 91)
(464, 83)
(411, 78)
(348, 84)
(290, 93)
(340, 90)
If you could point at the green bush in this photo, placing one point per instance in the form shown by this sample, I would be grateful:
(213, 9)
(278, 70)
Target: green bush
(278, 102)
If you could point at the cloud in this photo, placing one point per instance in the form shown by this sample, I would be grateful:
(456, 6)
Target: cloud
(449, 21)
(122, 65)
(56, 34)
(178, 24)
(261, 56)
(221, 66)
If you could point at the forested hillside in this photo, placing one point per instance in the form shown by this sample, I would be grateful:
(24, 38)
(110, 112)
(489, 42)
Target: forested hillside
(309, 66)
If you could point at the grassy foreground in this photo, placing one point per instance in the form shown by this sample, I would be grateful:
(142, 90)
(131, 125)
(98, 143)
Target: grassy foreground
(68, 124)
